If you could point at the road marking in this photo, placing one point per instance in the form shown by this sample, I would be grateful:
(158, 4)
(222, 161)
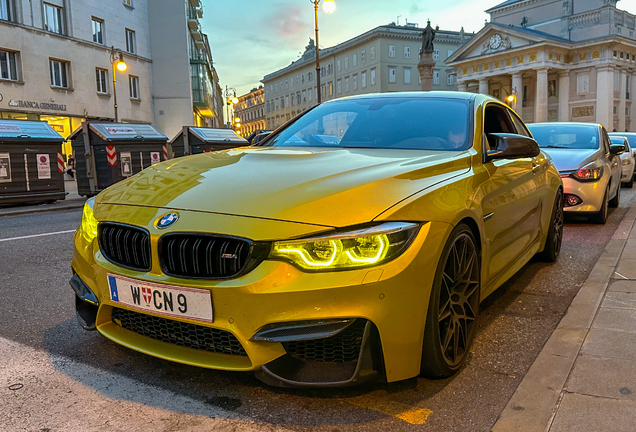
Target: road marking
(36, 235)
(407, 413)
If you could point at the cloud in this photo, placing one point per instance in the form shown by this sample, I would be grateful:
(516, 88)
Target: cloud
(286, 21)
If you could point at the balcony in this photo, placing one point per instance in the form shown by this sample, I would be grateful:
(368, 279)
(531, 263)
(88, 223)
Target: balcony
(193, 18)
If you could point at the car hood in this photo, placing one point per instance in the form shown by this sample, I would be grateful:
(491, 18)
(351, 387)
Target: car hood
(329, 187)
(571, 159)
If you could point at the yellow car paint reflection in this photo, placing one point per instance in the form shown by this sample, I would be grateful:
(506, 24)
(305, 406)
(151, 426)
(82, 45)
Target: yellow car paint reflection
(347, 237)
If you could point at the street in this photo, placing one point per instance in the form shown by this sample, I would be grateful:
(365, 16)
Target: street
(57, 376)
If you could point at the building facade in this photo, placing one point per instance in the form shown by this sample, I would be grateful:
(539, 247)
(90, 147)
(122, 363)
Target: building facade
(55, 62)
(251, 110)
(379, 61)
(564, 60)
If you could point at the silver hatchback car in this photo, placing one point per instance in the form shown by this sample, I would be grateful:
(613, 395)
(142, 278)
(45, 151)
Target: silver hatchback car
(589, 164)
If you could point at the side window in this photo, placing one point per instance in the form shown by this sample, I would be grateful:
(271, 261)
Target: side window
(519, 125)
(496, 120)
(606, 141)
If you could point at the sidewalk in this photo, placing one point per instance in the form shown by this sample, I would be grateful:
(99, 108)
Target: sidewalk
(584, 379)
(72, 201)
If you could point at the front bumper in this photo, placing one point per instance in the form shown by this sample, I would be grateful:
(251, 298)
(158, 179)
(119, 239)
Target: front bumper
(392, 299)
(590, 193)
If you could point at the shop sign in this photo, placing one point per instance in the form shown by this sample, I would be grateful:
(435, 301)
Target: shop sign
(5, 167)
(44, 166)
(10, 128)
(155, 158)
(126, 163)
(121, 130)
(57, 127)
(37, 105)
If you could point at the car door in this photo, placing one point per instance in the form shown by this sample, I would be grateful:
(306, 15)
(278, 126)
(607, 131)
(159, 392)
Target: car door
(613, 162)
(512, 204)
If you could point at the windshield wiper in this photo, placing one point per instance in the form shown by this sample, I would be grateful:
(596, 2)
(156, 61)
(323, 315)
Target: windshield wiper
(553, 146)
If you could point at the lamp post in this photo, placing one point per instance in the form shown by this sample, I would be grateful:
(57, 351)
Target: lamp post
(117, 60)
(230, 99)
(328, 6)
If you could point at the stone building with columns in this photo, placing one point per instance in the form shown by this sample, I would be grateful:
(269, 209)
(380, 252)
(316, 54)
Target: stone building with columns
(572, 60)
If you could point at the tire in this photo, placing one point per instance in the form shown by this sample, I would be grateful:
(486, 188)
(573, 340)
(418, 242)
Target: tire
(630, 183)
(614, 202)
(449, 334)
(601, 216)
(552, 247)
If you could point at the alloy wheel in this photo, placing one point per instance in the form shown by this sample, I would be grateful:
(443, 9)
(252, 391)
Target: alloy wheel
(458, 300)
(558, 224)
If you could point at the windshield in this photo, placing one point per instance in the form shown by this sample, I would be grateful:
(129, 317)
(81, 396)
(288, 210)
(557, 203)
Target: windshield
(565, 136)
(631, 137)
(617, 140)
(382, 123)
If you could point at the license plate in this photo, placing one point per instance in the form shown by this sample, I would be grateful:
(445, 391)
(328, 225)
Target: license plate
(168, 300)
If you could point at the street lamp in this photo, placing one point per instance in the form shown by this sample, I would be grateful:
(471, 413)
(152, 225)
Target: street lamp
(230, 99)
(117, 60)
(328, 6)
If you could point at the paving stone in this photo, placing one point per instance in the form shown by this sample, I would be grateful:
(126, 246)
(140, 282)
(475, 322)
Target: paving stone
(623, 286)
(610, 344)
(583, 308)
(584, 413)
(606, 377)
(534, 402)
(627, 268)
(603, 271)
(615, 319)
(629, 252)
(619, 300)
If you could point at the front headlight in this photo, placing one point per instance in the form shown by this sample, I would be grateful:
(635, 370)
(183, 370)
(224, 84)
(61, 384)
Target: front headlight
(89, 223)
(625, 161)
(589, 173)
(354, 249)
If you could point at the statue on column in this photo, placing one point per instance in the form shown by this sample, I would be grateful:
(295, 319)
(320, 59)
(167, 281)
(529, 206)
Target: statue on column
(428, 36)
(426, 63)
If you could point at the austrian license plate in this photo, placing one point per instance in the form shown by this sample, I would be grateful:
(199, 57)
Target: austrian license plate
(168, 300)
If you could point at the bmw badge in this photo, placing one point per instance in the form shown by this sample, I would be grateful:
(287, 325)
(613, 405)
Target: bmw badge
(166, 220)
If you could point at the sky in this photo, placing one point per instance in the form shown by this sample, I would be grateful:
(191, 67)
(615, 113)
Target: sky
(252, 38)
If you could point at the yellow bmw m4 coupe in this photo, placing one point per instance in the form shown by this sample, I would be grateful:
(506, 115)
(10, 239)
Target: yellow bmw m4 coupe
(355, 243)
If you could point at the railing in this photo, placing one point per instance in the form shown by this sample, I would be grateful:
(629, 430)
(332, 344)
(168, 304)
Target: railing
(586, 19)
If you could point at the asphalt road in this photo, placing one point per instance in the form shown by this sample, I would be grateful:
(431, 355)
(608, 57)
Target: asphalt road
(59, 377)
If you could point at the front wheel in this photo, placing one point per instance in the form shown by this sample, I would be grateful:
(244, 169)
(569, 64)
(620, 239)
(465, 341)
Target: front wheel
(555, 232)
(601, 216)
(614, 202)
(453, 306)
(630, 183)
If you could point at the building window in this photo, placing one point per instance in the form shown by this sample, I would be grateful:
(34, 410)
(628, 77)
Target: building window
(450, 80)
(128, 3)
(131, 45)
(305, 95)
(407, 52)
(363, 79)
(407, 75)
(436, 54)
(346, 62)
(302, 79)
(286, 85)
(59, 73)
(436, 77)
(372, 53)
(582, 83)
(355, 82)
(338, 65)
(354, 59)
(347, 84)
(363, 56)
(53, 18)
(98, 31)
(133, 83)
(297, 98)
(449, 53)
(309, 94)
(330, 89)
(372, 77)
(391, 50)
(391, 74)
(8, 66)
(339, 86)
(6, 10)
(101, 76)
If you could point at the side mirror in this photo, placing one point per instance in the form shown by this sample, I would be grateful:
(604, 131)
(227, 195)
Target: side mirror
(512, 146)
(617, 149)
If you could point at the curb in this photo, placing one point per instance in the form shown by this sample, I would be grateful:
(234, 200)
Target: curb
(40, 209)
(534, 404)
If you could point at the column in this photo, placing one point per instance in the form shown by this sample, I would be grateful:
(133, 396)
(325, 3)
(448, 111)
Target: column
(605, 96)
(517, 88)
(564, 96)
(541, 98)
(462, 86)
(632, 97)
(483, 86)
(622, 101)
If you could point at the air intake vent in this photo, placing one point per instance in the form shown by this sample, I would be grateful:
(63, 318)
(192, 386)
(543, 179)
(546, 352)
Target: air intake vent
(125, 245)
(341, 348)
(202, 256)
